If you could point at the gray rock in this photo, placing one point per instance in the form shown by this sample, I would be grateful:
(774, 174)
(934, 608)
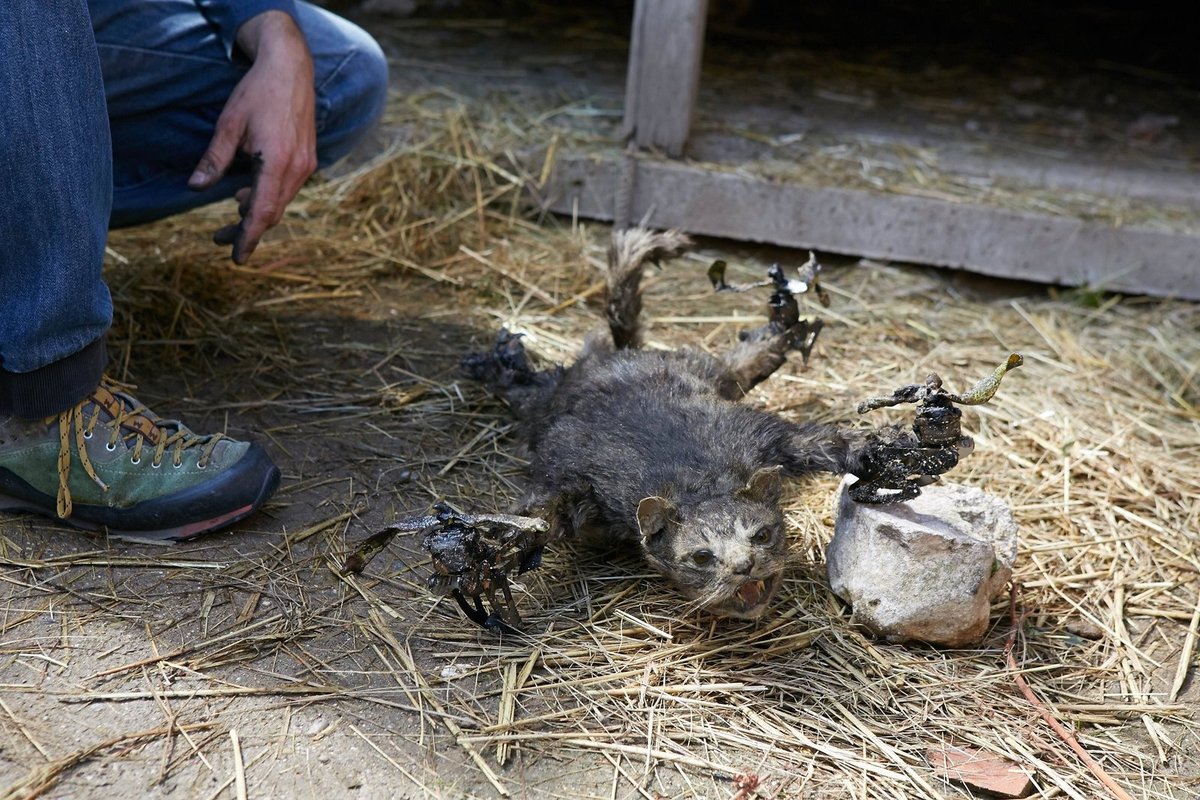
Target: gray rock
(926, 570)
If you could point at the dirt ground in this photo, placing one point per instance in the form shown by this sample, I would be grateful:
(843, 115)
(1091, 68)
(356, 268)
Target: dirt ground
(245, 665)
(173, 672)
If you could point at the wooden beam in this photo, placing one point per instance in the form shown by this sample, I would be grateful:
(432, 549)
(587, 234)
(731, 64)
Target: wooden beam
(663, 77)
(986, 239)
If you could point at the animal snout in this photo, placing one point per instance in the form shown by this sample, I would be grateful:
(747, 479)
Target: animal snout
(745, 566)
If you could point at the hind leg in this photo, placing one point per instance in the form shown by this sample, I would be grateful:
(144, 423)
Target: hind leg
(506, 371)
(627, 257)
(763, 350)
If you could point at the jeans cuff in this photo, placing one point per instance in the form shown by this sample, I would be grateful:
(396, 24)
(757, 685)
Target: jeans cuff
(55, 387)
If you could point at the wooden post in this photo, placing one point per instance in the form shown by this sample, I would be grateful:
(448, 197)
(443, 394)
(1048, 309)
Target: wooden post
(664, 72)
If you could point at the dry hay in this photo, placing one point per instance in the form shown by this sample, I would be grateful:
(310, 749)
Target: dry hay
(1095, 443)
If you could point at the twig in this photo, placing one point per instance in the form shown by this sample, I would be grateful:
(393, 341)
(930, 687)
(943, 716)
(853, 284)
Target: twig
(195, 647)
(655, 754)
(1055, 725)
(24, 731)
(507, 711)
(399, 767)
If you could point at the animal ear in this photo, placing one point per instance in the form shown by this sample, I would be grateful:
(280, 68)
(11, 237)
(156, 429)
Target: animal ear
(653, 516)
(764, 486)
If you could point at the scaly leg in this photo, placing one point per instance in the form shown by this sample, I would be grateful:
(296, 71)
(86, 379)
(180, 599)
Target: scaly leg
(890, 463)
(474, 556)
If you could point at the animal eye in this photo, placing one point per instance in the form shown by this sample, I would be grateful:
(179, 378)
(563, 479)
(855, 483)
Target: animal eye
(763, 536)
(702, 557)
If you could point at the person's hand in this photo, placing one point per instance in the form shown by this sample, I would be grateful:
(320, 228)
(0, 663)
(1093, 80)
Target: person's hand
(270, 116)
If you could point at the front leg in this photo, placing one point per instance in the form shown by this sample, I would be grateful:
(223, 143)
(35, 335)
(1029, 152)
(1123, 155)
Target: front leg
(807, 447)
(890, 463)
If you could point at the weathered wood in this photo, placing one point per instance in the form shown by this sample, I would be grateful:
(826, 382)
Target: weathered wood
(664, 72)
(990, 240)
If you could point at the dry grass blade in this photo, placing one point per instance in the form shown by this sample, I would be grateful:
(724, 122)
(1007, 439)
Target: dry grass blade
(1185, 655)
(239, 766)
(42, 779)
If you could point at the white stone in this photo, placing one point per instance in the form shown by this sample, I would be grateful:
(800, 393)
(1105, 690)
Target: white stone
(925, 570)
(452, 672)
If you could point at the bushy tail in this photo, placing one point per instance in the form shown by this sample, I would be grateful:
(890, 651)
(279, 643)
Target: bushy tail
(627, 255)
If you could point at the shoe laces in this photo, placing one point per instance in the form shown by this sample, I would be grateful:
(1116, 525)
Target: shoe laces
(128, 420)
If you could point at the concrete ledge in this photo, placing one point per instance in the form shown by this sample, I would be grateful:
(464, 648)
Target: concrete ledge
(989, 240)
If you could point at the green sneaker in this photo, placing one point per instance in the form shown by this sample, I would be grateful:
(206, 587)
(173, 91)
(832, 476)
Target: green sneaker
(110, 462)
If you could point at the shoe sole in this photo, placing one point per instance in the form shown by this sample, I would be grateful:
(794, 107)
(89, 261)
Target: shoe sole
(192, 530)
(255, 460)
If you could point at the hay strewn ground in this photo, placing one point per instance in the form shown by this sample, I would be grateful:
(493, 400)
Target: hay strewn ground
(245, 666)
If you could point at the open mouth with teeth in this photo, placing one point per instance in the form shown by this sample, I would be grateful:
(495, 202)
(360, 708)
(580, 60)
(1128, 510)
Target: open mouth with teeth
(750, 599)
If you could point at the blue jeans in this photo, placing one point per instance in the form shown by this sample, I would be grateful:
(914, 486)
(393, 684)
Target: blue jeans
(102, 119)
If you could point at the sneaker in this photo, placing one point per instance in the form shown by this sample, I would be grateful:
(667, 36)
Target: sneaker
(110, 462)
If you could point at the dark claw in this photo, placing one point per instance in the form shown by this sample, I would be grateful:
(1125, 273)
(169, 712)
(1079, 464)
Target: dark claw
(497, 625)
(876, 494)
(475, 556)
(532, 561)
(716, 275)
(478, 614)
(896, 464)
(807, 337)
(805, 281)
(783, 312)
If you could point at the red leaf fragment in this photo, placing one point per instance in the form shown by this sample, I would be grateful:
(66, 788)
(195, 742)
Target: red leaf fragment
(980, 770)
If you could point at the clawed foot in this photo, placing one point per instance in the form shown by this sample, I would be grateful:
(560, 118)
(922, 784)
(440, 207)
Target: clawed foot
(897, 463)
(504, 366)
(473, 555)
(896, 468)
(784, 323)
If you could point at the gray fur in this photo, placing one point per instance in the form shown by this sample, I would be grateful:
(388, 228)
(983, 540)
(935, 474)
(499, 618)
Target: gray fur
(623, 429)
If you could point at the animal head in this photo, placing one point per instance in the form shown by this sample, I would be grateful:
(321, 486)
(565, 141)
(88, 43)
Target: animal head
(727, 553)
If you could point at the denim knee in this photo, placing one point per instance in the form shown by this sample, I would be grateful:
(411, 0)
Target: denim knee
(351, 98)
